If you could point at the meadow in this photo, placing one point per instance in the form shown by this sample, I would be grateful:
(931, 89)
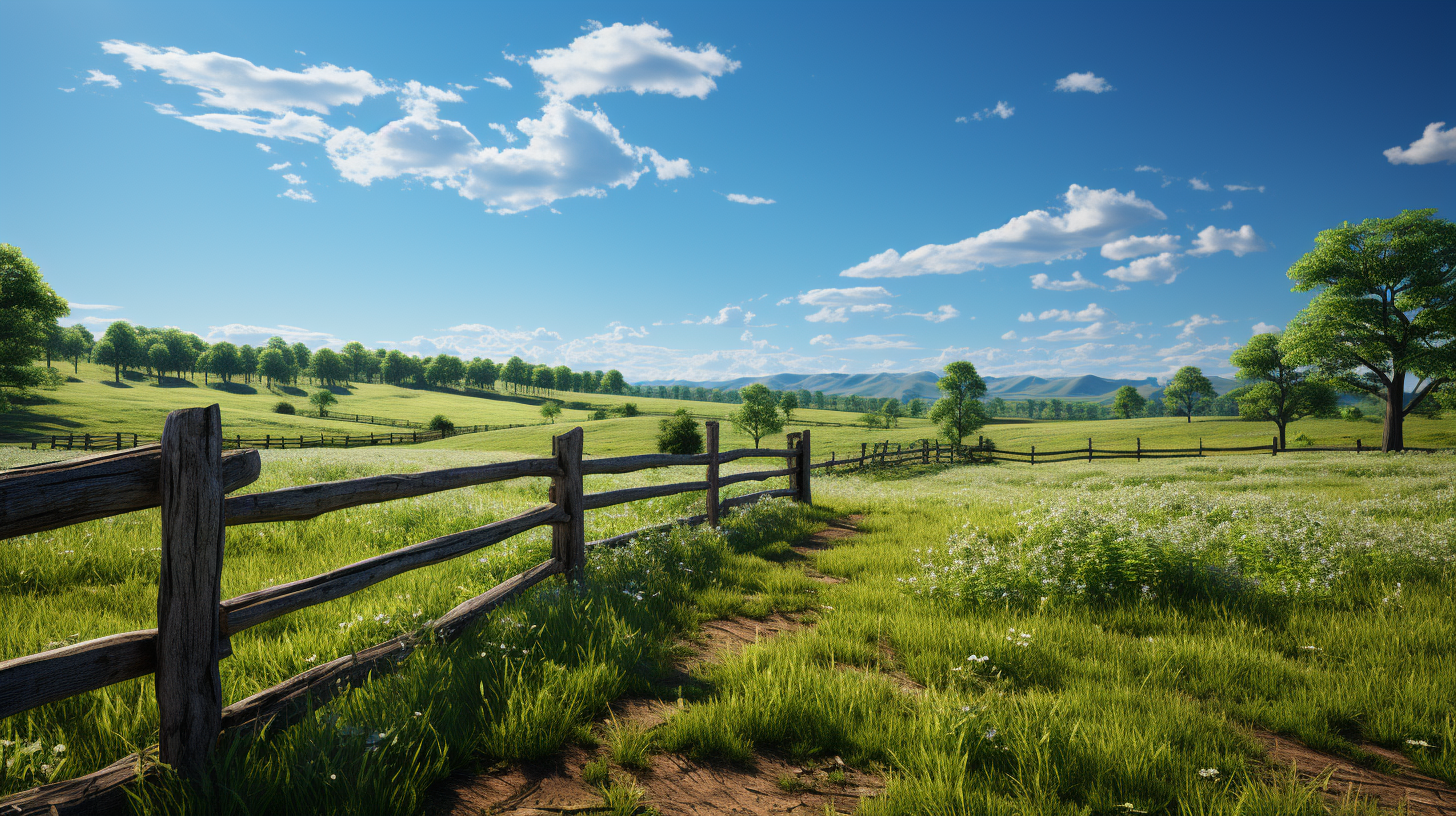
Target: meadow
(1094, 637)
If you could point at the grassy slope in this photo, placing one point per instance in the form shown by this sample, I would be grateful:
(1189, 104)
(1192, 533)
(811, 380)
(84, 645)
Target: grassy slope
(1177, 432)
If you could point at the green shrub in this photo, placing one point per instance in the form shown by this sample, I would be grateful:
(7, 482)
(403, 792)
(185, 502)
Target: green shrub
(283, 408)
(679, 434)
(440, 423)
(626, 409)
(1302, 441)
(578, 405)
(595, 773)
(1353, 413)
(600, 413)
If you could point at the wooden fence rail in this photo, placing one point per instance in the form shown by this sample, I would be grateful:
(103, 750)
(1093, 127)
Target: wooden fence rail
(188, 475)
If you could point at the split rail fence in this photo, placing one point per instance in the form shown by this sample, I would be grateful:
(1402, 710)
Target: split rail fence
(189, 474)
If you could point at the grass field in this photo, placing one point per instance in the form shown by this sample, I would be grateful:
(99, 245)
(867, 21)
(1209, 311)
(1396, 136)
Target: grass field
(1134, 619)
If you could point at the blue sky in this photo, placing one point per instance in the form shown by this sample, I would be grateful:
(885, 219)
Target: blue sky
(713, 190)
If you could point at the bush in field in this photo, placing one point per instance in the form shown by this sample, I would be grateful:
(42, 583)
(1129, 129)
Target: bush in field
(439, 422)
(679, 434)
(283, 408)
(626, 409)
(1303, 441)
(600, 413)
(551, 410)
(1353, 413)
(322, 399)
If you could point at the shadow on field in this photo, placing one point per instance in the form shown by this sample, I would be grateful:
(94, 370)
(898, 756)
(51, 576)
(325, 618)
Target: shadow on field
(339, 390)
(114, 384)
(175, 382)
(234, 388)
(289, 390)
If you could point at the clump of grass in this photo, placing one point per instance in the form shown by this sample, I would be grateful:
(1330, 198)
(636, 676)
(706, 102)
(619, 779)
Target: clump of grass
(791, 784)
(596, 773)
(623, 797)
(630, 745)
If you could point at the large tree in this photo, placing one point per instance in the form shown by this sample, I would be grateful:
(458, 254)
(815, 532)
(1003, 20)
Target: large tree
(1127, 402)
(29, 309)
(612, 382)
(759, 415)
(1384, 310)
(1282, 393)
(958, 412)
(1186, 391)
(330, 367)
(516, 372)
(273, 365)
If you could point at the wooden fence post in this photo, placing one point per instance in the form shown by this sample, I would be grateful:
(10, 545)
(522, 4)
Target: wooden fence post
(1357, 446)
(792, 460)
(1200, 446)
(830, 467)
(861, 456)
(712, 428)
(1089, 448)
(118, 440)
(806, 494)
(1033, 454)
(1274, 447)
(1140, 449)
(568, 538)
(925, 451)
(189, 589)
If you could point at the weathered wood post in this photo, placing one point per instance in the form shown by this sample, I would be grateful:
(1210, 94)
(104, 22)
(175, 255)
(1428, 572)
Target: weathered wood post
(267, 440)
(118, 440)
(1200, 446)
(1089, 448)
(861, 456)
(1140, 449)
(1274, 447)
(1357, 446)
(189, 589)
(568, 538)
(925, 451)
(937, 451)
(1033, 454)
(86, 444)
(830, 467)
(792, 461)
(712, 428)
(806, 494)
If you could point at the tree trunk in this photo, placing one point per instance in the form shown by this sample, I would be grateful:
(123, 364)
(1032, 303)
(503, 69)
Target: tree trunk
(1282, 426)
(1393, 438)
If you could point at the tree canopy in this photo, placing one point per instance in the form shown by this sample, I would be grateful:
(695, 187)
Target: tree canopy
(759, 415)
(1384, 309)
(1186, 391)
(1127, 402)
(29, 309)
(1283, 393)
(679, 434)
(958, 412)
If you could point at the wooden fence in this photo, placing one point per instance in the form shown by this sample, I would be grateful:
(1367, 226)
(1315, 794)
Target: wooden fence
(188, 475)
(81, 441)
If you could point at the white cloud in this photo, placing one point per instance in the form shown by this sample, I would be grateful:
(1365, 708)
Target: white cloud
(236, 84)
(165, 109)
(822, 339)
(1228, 205)
(840, 314)
(960, 120)
(669, 169)
(293, 334)
(101, 79)
(94, 307)
(263, 147)
(1042, 280)
(847, 296)
(616, 330)
(1191, 353)
(508, 335)
(280, 166)
(1092, 313)
(1240, 242)
(1094, 331)
(591, 25)
(293, 178)
(1435, 145)
(1241, 188)
(303, 128)
(1265, 328)
(66, 90)
(1134, 246)
(1147, 168)
(1010, 335)
(1026, 317)
(503, 131)
(940, 315)
(457, 86)
(724, 315)
(635, 58)
(1083, 82)
(755, 200)
(1195, 323)
(1092, 218)
(297, 195)
(1002, 110)
(873, 342)
(1199, 184)
(500, 82)
(1163, 268)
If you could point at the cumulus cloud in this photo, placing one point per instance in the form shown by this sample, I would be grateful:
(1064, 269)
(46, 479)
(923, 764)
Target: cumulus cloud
(1002, 111)
(960, 120)
(840, 314)
(264, 147)
(1026, 317)
(66, 90)
(503, 131)
(1240, 242)
(1227, 205)
(1042, 280)
(846, 296)
(101, 79)
(280, 166)
(1194, 323)
(635, 58)
(500, 82)
(1091, 218)
(1265, 328)
(1161, 268)
(293, 178)
(1010, 335)
(1134, 246)
(1074, 82)
(1199, 184)
(619, 331)
(940, 315)
(1435, 145)
(297, 127)
(724, 315)
(669, 169)
(1092, 313)
(1147, 168)
(236, 84)
(1094, 331)
(1242, 188)
(755, 200)
(872, 342)
(297, 195)
(822, 339)
(293, 334)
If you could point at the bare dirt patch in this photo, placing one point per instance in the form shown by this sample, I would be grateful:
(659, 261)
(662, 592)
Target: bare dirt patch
(1421, 794)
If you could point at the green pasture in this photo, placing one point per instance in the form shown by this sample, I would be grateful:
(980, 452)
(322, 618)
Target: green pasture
(1232, 432)
(1091, 638)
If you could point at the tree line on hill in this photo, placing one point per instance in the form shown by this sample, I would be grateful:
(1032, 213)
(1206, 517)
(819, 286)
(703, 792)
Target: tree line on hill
(1383, 312)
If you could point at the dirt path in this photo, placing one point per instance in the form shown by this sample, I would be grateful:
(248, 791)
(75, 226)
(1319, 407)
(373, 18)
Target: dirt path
(674, 784)
(1422, 795)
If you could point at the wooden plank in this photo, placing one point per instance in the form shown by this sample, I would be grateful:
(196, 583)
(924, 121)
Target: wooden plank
(101, 793)
(791, 462)
(753, 497)
(58, 494)
(568, 537)
(755, 476)
(310, 501)
(596, 501)
(34, 680)
(249, 610)
(751, 453)
(189, 689)
(618, 540)
(286, 703)
(806, 493)
(629, 464)
(711, 426)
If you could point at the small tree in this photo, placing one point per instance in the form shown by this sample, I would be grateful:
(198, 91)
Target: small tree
(959, 412)
(1186, 391)
(917, 407)
(789, 403)
(1128, 403)
(551, 410)
(892, 411)
(1384, 309)
(759, 416)
(1283, 393)
(29, 309)
(439, 422)
(873, 420)
(679, 434)
(612, 382)
(322, 399)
